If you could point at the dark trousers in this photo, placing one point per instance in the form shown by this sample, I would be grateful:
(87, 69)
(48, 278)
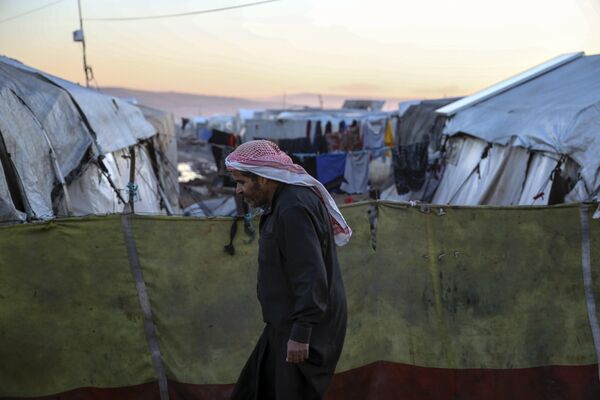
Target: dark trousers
(267, 376)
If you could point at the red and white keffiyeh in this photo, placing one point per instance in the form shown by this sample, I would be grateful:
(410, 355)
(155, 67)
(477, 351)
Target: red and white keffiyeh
(264, 158)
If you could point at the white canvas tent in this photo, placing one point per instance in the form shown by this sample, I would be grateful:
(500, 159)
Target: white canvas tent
(526, 135)
(62, 148)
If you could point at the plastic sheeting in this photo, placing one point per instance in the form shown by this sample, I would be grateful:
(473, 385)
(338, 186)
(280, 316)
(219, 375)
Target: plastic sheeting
(462, 157)
(70, 313)
(478, 173)
(91, 192)
(115, 123)
(40, 113)
(34, 115)
(537, 186)
(557, 112)
(54, 111)
(29, 153)
(8, 211)
(437, 293)
(482, 174)
(164, 124)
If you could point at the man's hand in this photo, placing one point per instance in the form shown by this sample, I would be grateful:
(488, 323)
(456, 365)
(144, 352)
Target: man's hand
(296, 351)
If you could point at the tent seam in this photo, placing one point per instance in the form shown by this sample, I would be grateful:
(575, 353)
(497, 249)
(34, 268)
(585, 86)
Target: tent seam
(144, 298)
(587, 280)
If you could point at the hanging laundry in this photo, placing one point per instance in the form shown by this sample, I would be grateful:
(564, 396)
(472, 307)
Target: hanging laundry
(306, 161)
(388, 138)
(410, 166)
(350, 138)
(298, 145)
(400, 168)
(331, 167)
(319, 142)
(373, 134)
(205, 134)
(219, 141)
(308, 130)
(356, 173)
(222, 138)
(333, 141)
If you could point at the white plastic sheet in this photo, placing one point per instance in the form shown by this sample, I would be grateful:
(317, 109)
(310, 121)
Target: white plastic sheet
(557, 112)
(91, 193)
(482, 174)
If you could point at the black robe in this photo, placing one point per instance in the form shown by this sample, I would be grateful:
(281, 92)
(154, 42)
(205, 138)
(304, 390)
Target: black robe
(302, 297)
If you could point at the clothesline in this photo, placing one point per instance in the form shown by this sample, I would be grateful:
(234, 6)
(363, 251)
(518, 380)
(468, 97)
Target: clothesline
(371, 151)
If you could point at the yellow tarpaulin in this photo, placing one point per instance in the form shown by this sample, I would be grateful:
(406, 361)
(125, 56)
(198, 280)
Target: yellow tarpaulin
(447, 287)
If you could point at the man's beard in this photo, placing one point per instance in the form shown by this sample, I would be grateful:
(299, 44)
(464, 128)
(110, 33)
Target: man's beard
(257, 202)
(258, 199)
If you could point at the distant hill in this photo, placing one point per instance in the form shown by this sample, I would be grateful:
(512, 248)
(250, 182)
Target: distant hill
(188, 104)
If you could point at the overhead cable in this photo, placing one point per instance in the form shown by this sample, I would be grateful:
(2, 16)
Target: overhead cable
(186, 14)
(30, 11)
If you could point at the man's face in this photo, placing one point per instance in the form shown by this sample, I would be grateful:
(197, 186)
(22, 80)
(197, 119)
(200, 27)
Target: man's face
(252, 190)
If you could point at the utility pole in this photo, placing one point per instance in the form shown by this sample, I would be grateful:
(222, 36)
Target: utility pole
(78, 36)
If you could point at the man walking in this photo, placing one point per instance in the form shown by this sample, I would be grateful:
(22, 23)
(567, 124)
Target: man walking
(300, 287)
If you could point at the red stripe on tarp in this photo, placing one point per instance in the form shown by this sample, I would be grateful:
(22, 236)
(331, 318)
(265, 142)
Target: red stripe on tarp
(138, 392)
(390, 381)
(387, 381)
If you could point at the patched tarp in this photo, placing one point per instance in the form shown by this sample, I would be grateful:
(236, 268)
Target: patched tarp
(557, 112)
(482, 296)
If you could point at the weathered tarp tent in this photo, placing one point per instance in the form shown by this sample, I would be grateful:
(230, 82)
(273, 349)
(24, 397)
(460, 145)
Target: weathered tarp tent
(60, 143)
(536, 133)
(438, 311)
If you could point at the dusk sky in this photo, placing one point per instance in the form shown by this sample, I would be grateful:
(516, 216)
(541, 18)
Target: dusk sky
(377, 48)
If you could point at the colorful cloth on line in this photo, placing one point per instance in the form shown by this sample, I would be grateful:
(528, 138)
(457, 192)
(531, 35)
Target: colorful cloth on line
(330, 167)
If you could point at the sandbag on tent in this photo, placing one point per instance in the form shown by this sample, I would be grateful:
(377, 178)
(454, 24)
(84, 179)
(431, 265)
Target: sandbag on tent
(455, 303)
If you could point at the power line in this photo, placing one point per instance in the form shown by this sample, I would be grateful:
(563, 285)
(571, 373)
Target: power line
(212, 10)
(30, 11)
